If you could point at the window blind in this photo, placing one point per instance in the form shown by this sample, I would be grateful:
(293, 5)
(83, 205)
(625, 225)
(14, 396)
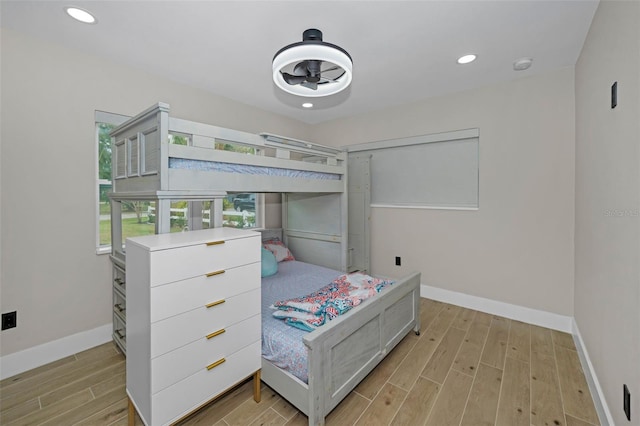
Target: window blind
(429, 171)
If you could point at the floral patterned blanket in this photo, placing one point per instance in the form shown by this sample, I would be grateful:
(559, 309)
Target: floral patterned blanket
(313, 310)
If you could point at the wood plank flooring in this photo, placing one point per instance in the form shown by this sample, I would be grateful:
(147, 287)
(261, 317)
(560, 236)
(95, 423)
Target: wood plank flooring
(466, 368)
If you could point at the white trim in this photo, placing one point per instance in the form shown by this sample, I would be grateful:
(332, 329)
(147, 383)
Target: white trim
(19, 362)
(520, 313)
(604, 414)
(103, 250)
(415, 140)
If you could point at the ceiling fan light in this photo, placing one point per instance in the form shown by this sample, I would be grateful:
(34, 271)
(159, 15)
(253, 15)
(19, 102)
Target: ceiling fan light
(307, 51)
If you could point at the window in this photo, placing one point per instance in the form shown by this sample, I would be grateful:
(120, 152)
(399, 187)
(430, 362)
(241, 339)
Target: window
(242, 210)
(104, 123)
(104, 183)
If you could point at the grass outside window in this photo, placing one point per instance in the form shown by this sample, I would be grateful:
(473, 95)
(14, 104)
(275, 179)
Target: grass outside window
(130, 228)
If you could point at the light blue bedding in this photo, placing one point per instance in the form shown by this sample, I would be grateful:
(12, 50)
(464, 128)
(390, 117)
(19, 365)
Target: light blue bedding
(281, 343)
(216, 166)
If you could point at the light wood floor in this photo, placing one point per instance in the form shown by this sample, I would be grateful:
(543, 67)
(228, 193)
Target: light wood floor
(466, 368)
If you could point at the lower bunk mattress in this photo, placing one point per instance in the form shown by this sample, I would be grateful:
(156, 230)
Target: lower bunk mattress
(282, 344)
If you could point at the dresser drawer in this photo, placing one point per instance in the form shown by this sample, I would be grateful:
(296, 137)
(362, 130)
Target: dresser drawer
(174, 366)
(178, 400)
(182, 296)
(187, 262)
(179, 330)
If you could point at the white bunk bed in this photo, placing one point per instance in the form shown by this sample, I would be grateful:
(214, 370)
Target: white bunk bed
(313, 181)
(147, 166)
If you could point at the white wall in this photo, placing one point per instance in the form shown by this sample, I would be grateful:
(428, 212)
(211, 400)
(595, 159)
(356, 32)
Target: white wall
(518, 247)
(50, 272)
(607, 264)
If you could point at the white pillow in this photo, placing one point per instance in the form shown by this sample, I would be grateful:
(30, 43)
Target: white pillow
(279, 250)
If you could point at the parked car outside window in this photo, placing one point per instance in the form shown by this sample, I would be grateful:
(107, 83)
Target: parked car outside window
(245, 202)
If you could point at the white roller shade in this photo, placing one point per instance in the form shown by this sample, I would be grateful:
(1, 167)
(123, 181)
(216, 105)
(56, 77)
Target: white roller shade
(432, 171)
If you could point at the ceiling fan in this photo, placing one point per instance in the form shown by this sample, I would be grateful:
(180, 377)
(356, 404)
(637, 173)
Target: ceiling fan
(310, 74)
(312, 67)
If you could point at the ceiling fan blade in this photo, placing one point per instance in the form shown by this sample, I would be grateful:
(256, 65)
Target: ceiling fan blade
(293, 79)
(332, 80)
(327, 80)
(301, 68)
(336, 67)
(313, 86)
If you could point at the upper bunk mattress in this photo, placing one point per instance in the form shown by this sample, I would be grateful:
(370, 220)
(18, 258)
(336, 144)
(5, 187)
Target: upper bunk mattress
(247, 169)
(282, 344)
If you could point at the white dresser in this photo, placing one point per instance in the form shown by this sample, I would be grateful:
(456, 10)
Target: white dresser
(193, 319)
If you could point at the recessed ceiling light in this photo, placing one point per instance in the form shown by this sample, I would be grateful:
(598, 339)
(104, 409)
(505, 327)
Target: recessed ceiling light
(307, 105)
(81, 15)
(466, 59)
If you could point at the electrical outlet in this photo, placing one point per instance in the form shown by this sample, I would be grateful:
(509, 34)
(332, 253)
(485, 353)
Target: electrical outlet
(9, 320)
(626, 401)
(398, 261)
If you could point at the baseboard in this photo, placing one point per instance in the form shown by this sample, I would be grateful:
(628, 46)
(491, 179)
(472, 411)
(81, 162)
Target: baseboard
(507, 310)
(594, 385)
(21, 361)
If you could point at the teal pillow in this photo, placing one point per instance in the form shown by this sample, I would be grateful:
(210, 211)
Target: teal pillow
(269, 263)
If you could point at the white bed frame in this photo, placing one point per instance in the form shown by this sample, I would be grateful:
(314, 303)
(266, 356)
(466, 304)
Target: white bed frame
(314, 216)
(342, 352)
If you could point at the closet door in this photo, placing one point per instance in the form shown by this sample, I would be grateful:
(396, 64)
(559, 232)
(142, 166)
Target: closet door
(359, 193)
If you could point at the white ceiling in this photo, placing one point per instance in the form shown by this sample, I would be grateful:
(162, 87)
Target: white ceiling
(402, 51)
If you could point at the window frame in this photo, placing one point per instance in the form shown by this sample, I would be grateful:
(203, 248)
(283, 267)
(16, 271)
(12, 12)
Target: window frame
(115, 120)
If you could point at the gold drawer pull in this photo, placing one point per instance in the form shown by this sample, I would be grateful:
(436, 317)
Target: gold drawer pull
(217, 302)
(211, 274)
(215, 243)
(215, 364)
(216, 333)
